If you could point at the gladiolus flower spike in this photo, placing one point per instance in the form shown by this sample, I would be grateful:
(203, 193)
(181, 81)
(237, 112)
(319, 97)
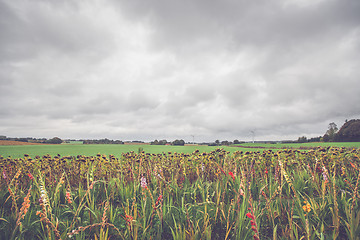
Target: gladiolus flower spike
(249, 215)
(143, 182)
(232, 176)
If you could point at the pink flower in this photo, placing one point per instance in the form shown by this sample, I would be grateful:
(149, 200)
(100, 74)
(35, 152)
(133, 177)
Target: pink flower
(143, 182)
(324, 174)
(68, 197)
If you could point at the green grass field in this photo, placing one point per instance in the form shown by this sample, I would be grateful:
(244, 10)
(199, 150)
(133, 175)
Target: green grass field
(117, 149)
(93, 149)
(302, 145)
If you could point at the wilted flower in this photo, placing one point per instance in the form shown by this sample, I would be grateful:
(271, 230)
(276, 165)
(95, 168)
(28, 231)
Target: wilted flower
(324, 174)
(17, 174)
(73, 232)
(181, 180)
(306, 207)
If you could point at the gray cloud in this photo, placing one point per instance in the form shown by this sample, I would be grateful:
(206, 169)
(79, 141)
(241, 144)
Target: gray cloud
(167, 69)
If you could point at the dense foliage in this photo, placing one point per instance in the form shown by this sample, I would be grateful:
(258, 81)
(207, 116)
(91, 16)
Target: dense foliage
(270, 195)
(349, 132)
(102, 141)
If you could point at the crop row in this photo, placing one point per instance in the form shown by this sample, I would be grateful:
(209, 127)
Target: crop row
(287, 194)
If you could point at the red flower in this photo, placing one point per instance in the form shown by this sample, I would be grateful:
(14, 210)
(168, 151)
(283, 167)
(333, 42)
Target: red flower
(158, 199)
(30, 176)
(249, 215)
(128, 219)
(232, 175)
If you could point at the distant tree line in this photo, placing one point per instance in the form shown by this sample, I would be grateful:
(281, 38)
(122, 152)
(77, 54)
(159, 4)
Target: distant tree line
(57, 140)
(160, 142)
(54, 140)
(177, 142)
(181, 142)
(349, 132)
(225, 143)
(304, 139)
(102, 141)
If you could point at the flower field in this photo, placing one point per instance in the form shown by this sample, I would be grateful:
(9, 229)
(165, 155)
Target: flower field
(288, 194)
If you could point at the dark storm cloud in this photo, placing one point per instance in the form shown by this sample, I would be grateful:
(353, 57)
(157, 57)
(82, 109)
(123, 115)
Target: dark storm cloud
(146, 69)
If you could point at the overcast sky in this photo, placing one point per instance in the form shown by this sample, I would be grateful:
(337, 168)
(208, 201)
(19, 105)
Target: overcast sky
(162, 69)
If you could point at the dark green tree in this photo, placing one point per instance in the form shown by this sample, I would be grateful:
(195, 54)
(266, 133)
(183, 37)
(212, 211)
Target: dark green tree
(55, 140)
(349, 132)
(156, 142)
(330, 133)
(178, 142)
(302, 139)
(225, 143)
